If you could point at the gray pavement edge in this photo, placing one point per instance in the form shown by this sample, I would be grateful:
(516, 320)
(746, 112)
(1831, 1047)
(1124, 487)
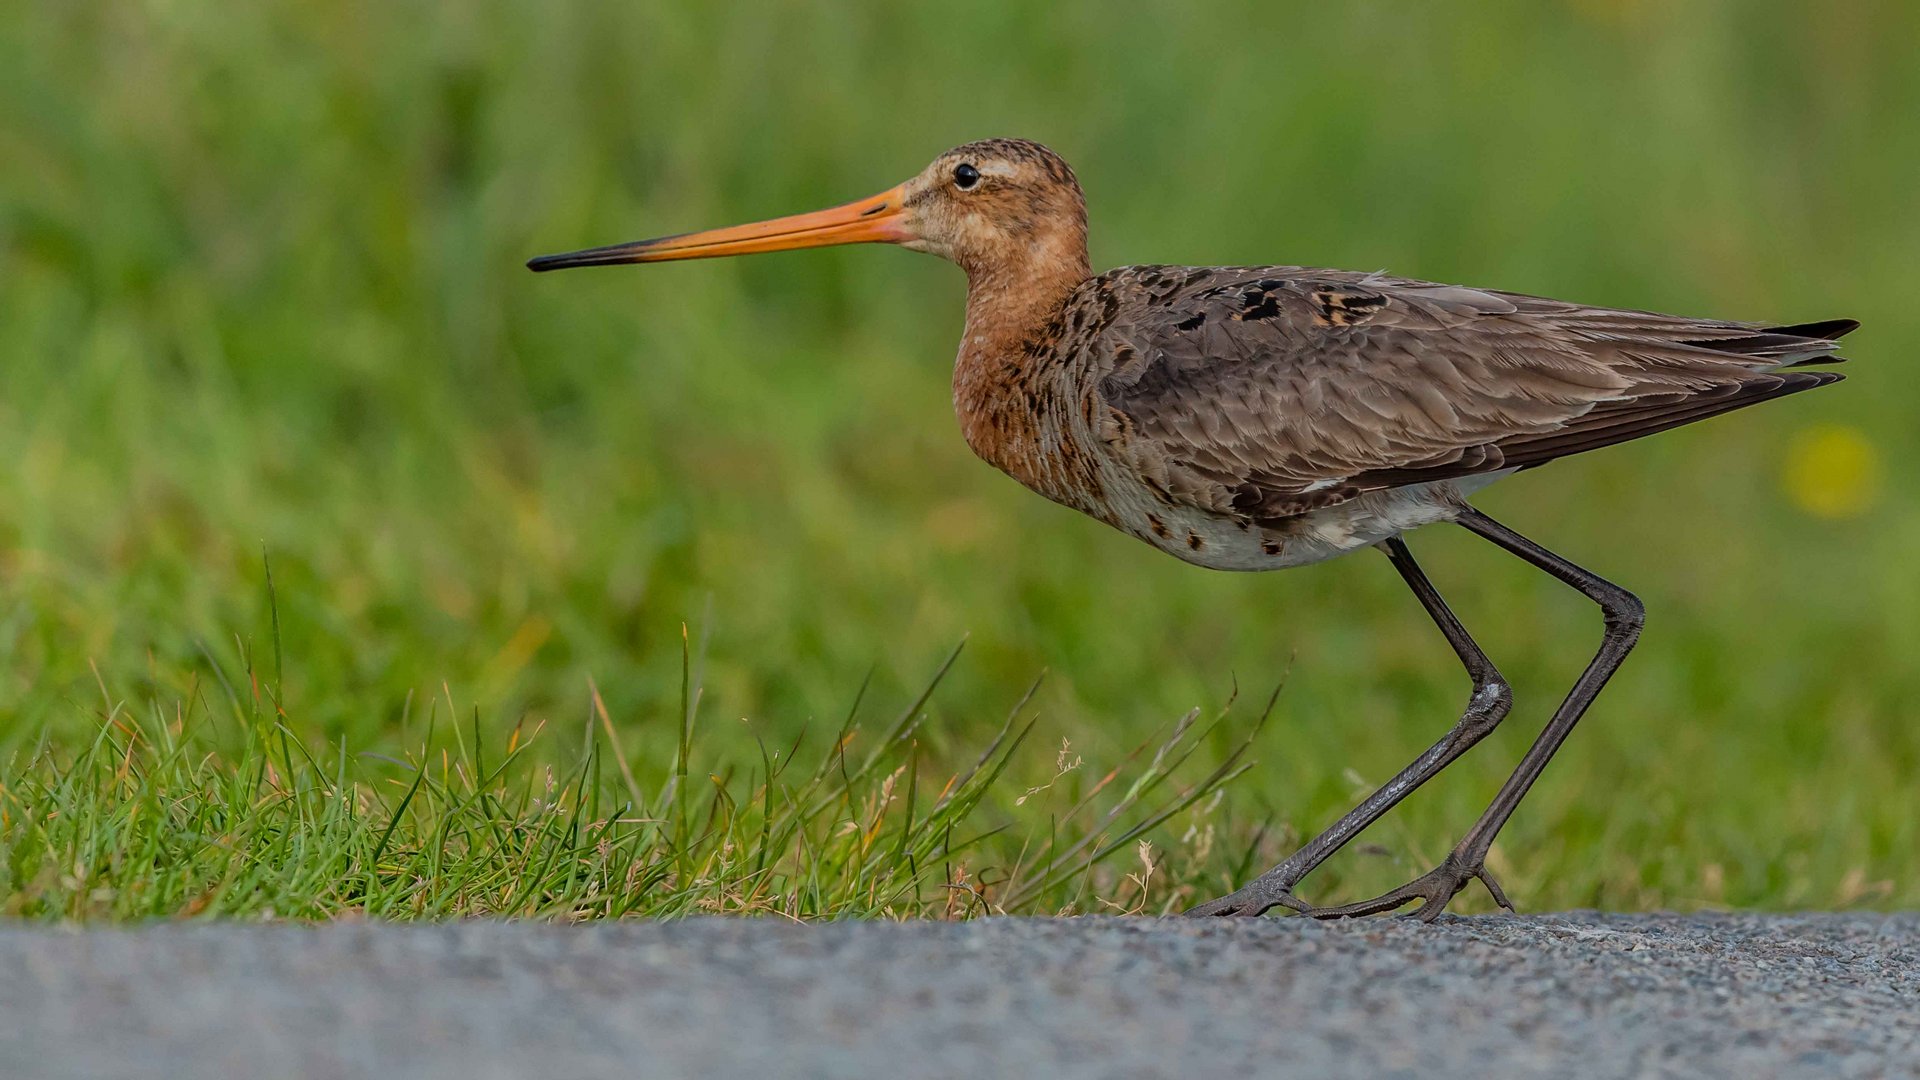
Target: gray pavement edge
(1569, 995)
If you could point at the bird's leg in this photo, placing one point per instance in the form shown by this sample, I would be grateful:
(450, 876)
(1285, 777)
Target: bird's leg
(1624, 617)
(1485, 709)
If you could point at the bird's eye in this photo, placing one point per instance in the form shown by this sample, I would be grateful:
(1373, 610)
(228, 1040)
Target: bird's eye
(965, 177)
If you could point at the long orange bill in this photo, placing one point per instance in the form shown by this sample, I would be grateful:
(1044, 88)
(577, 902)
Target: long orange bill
(879, 219)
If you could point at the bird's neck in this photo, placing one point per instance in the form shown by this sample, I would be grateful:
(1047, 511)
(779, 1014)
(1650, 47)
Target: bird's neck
(1013, 296)
(1005, 375)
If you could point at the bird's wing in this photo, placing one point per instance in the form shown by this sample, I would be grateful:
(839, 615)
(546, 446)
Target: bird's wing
(1266, 392)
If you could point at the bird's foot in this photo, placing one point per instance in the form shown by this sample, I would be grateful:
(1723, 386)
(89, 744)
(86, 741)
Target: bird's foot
(1435, 888)
(1256, 898)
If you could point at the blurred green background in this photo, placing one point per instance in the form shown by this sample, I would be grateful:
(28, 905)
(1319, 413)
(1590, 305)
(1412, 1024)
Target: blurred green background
(261, 295)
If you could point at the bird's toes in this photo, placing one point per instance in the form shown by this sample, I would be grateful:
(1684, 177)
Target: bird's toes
(1493, 887)
(1248, 902)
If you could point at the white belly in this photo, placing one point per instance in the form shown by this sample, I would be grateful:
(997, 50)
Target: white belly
(1221, 543)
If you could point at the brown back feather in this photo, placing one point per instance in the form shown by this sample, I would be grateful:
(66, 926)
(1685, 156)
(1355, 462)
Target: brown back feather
(1268, 391)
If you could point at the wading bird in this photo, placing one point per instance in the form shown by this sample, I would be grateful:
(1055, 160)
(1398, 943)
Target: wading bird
(1255, 418)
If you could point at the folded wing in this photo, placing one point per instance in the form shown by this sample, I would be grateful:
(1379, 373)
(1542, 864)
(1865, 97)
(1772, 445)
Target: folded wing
(1270, 391)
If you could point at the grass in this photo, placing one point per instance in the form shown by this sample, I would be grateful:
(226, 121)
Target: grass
(261, 294)
(163, 816)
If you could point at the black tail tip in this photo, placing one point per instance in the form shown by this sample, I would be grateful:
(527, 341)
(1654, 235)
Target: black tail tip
(1828, 329)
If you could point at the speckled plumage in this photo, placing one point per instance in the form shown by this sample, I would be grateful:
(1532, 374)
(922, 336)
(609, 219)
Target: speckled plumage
(1272, 402)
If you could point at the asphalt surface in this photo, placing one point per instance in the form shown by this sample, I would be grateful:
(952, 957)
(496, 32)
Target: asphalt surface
(1578, 995)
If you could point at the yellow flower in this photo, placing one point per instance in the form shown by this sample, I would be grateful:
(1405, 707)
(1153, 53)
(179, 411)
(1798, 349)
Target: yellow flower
(1832, 471)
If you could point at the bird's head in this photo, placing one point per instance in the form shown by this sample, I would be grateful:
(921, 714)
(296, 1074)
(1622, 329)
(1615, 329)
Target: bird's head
(988, 206)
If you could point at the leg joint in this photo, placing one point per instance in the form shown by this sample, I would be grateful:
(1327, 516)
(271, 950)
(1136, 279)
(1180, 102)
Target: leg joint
(1624, 611)
(1495, 693)
(1492, 700)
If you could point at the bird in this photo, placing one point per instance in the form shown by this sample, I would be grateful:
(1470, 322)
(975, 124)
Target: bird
(1248, 418)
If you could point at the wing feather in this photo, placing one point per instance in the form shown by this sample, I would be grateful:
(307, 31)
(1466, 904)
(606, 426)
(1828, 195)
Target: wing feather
(1269, 391)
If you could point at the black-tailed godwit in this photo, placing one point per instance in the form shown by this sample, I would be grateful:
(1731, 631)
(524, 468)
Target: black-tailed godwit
(1262, 417)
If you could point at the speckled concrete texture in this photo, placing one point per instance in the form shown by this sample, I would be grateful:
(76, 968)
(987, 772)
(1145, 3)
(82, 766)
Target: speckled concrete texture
(1574, 995)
